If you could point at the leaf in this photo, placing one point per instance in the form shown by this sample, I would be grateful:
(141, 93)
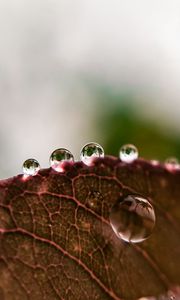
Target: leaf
(57, 243)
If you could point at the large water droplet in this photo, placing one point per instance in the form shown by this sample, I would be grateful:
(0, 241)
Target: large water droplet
(132, 218)
(128, 153)
(90, 151)
(31, 167)
(58, 157)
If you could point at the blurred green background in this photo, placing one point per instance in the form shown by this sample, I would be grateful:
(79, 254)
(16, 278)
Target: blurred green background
(72, 72)
(121, 123)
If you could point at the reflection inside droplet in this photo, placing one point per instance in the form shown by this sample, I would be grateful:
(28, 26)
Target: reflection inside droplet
(132, 218)
(128, 153)
(172, 163)
(171, 160)
(90, 151)
(58, 157)
(30, 167)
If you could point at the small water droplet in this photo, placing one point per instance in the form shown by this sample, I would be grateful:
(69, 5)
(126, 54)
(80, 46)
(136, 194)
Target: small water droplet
(128, 153)
(58, 157)
(172, 164)
(31, 167)
(172, 161)
(90, 151)
(132, 218)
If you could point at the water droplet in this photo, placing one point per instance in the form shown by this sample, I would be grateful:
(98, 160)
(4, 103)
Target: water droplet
(31, 167)
(58, 157)
(172, 161)
(172, 164)
(132, 218)
(90, 151)
(128, 153)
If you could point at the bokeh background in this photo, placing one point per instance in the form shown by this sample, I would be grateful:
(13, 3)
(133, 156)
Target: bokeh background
(74, 71)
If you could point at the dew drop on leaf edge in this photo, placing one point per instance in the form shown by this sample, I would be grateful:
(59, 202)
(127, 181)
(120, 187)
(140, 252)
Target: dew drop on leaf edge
(128, 153)
(31, 167)
(172, 161)
(132, 218)
(59, 156)
(91, 151)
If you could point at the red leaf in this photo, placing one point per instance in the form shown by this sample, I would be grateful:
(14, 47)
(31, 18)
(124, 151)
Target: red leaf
(57, 243)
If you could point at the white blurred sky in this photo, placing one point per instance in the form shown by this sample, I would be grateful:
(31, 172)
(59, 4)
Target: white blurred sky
(47, 47)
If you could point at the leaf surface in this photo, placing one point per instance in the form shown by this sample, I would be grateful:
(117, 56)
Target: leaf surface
(56, 241)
